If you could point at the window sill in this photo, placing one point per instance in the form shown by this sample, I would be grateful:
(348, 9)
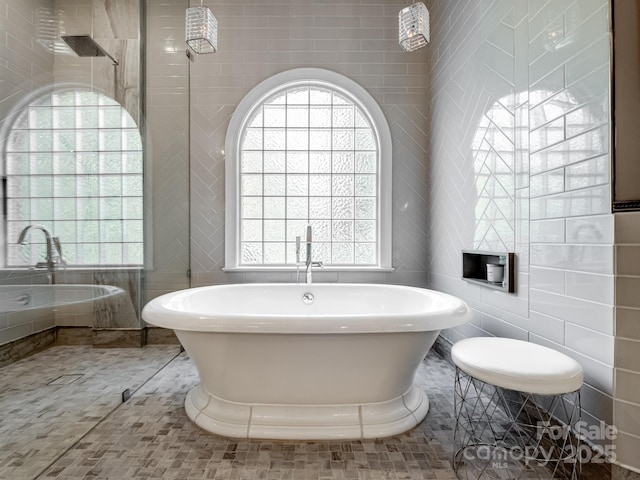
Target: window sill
(277, 268)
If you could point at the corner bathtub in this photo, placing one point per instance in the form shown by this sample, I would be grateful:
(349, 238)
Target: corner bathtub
(308, 362)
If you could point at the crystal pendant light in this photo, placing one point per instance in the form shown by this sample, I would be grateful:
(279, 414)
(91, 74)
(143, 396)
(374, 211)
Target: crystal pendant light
(413, 27)
(202, 30)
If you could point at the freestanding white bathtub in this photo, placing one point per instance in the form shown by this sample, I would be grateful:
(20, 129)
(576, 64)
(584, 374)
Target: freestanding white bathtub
(310, 362)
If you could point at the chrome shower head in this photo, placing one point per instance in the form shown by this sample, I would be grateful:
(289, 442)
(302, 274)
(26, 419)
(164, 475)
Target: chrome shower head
(85, 46)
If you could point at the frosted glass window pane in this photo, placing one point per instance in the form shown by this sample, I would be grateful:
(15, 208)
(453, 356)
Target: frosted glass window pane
(297, 162)
(111, 208)
(70, 253)
(19, 142)
(132, 162)
(41, 140)
(339, 99)
(132, 253)
(88, 208)
(64, 185)
(321, 252)
(252, 185)
(319, 162)
(40, 117)
(251, 162)
(87, 140)
(87, 186)
(274, 207)
(86, 98)
(321, 230)
(21, 163)
(297, 139)
(87, 163)
(342, 185)
(131, 140)
(132, 209)
(274, 253)
(251, 253)
(320, 185)
(274, 139)
(342, 162)
(320, 96)
(110, 140)
(277, 99)
(111, 185)
(41, 186)
(342, 207)
(298, 96)
(40, 164)
(296, 228)
(342, 139)
(342, 230)
(342, 253)
(297, 207)
(320, 139)
(365, 208)
(89, 252)
(298, 117)
(366, 162)
(298, 185)
(88, 232)
(320, 117)
(251, 231)
(64, 163)
(111, 163)
(42, 209)
(274, 231)
(274, 116)
(365, 185)
(19, 210)
(132, 230)
(64, 117)
(252, 139)
(111, 254)
(132, 185)
(320, 207)
(274, 162)
(365, 253)
(251, 207)
(87, 117)
(19, 187)
(65, 208)
(343, 116)
(66, 231)
(274, 185)
(365, 140)
(365, 230)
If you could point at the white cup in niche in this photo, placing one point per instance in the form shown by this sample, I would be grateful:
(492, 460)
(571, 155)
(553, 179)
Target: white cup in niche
(495, 272)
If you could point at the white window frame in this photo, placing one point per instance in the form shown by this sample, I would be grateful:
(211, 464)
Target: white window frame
(359, 96)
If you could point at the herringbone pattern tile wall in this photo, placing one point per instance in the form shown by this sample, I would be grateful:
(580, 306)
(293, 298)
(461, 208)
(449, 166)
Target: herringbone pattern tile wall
(354, 39)
(520, 162)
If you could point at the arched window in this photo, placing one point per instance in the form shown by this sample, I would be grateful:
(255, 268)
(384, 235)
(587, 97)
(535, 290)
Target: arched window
(308, 147)
(73, 163)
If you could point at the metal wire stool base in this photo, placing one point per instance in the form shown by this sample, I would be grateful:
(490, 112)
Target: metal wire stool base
(505, 434)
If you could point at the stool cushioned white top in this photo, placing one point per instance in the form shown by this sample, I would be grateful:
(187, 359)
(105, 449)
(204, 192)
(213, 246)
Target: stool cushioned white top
(517, 365)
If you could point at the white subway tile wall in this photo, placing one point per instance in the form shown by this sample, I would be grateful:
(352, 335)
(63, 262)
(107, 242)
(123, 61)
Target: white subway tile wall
(543, 67)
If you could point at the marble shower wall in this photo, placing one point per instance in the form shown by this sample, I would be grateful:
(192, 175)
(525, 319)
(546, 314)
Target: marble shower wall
(257, 40)
(520, 161)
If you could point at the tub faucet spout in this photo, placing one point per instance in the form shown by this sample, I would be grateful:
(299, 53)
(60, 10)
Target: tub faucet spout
(53, 256)
(310, 263)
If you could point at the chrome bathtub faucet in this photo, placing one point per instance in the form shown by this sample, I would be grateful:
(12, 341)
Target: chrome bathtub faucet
(53, 257)
(309, 263)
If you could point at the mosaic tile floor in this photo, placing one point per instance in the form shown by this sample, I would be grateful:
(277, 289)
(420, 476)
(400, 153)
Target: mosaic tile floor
(150, 436)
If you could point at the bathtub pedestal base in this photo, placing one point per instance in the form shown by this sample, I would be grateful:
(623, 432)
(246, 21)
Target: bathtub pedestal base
(306, 422)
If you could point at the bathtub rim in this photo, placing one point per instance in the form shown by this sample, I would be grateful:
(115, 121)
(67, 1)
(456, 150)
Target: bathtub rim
(156, 313)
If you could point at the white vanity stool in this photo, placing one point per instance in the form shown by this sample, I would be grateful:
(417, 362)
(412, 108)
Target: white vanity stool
(508, 395)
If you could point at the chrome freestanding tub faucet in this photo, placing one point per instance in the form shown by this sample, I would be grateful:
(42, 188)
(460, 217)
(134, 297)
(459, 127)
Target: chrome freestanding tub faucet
(54, 249)
(309, 262)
